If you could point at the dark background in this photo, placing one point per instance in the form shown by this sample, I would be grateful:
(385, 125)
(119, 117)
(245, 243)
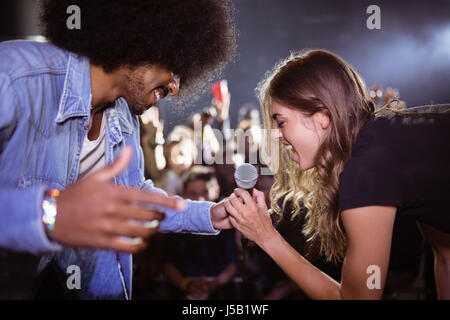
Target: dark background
(411, 52)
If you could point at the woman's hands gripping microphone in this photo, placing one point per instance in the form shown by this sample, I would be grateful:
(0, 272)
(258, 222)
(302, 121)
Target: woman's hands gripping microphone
(95, 213)
(250, 215)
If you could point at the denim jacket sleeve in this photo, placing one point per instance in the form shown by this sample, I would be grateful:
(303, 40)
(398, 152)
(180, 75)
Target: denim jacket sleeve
(21, 227)
(195, 219)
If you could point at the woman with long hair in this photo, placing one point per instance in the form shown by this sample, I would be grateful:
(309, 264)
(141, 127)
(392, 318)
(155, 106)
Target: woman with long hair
(354, 169)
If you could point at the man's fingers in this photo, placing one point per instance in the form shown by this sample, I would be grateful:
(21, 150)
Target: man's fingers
(147, 197)
(126, 211)
(118, 244)
(128, 228)
(115, 168)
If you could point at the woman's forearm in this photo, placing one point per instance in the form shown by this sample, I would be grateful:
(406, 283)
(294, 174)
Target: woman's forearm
(315, 283)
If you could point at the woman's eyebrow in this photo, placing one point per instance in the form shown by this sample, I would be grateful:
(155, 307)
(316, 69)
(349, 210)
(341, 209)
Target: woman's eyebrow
(275, 115)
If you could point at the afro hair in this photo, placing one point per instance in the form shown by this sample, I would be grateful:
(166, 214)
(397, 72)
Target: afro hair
(195, 39)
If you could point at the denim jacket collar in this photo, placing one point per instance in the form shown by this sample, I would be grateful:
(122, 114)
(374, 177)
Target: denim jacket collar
(77, 97)
(117, 121)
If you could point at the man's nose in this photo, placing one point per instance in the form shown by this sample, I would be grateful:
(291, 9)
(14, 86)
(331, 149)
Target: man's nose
(173, 88)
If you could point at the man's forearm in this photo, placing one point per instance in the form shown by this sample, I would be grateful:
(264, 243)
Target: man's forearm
(196, 218)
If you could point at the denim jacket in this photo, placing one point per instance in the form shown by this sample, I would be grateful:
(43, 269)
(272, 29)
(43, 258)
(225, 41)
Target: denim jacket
(45, 101)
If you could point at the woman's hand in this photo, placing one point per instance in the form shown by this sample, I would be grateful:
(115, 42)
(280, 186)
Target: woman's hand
(250, 215)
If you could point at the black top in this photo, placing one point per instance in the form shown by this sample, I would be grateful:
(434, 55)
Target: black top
(402, 161)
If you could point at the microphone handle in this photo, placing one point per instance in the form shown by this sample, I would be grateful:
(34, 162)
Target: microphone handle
(244, 240)
(244, 243)
(245, 289)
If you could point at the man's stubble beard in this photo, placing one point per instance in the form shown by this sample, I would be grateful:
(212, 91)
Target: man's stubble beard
(135, 94)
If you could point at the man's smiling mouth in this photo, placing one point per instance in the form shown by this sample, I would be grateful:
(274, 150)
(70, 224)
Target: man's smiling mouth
(159, 94)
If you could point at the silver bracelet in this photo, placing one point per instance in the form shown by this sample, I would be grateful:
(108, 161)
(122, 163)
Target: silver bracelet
(49, 211)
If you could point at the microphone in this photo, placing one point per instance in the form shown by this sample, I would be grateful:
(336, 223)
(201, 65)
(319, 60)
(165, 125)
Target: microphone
(246, 177)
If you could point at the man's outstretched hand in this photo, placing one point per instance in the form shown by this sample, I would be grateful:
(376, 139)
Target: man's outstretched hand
(95, 213)
(219, 216)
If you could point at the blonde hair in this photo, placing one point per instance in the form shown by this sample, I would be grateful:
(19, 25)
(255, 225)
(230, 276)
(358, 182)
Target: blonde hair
(312, 81)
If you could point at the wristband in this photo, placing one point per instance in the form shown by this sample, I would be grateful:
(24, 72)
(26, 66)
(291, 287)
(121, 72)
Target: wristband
(49, 210)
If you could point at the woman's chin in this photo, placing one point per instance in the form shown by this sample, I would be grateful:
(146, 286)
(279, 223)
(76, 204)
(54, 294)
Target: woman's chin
(295, 158)
(301, 165)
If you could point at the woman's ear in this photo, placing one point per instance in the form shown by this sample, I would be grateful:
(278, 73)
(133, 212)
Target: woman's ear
(322, 119)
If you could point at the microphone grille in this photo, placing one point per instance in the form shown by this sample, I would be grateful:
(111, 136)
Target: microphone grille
(246, 176)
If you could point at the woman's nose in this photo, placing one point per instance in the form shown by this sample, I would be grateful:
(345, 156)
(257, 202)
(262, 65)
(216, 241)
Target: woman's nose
(276, 134)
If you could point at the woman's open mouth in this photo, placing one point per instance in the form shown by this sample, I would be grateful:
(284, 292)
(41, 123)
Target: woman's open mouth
(294, 156)
(287, 145)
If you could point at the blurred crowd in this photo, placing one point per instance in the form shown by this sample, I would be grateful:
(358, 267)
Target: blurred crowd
(197, 161)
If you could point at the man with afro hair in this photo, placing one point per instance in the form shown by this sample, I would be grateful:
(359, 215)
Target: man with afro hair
(74, 203)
